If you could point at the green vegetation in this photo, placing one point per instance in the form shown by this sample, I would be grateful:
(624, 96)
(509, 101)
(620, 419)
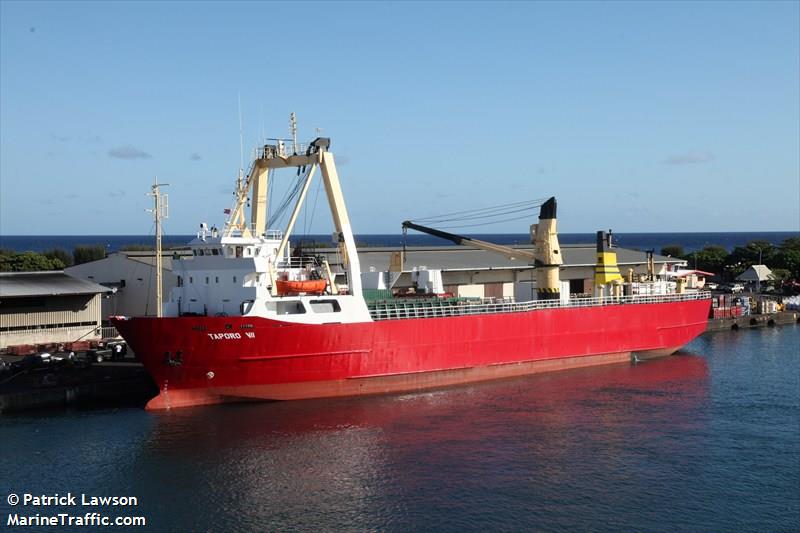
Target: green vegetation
(55, 259)
(11, 261)
(60, 254)
(87, 254)
(672, 250)
(783, 260)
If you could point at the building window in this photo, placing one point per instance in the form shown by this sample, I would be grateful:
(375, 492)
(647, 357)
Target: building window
(234, 279)
(206, 280)
(216, 279)
(576, 286)
(191, 279)
(180, 281)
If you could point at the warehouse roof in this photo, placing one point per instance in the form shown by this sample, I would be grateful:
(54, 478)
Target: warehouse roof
(447, 257)
(49, 283)
(463, 258)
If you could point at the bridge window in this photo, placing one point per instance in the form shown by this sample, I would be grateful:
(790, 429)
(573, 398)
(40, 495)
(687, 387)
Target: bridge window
(325, 306)
(292, 307)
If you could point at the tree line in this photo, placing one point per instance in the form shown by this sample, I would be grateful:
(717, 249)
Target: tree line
(782, 259)
(55, 259)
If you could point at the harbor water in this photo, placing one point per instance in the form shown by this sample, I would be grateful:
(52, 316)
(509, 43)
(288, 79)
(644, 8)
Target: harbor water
(707, 440)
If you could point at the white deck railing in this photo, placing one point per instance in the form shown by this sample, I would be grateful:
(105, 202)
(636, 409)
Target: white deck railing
(298, 262)
(399, 309)
(284, 149)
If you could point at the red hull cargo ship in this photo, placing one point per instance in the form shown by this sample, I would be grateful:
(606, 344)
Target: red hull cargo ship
(240, 325)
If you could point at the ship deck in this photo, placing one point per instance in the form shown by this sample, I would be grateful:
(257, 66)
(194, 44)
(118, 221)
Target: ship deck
(394, 309)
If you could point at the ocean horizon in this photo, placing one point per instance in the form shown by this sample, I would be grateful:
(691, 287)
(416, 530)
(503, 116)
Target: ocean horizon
(690, 241)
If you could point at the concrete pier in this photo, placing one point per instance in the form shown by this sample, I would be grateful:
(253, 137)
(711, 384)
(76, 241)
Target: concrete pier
(753, 321)
(100, 385)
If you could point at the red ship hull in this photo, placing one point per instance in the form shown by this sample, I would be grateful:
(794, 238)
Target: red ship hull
(203, 360)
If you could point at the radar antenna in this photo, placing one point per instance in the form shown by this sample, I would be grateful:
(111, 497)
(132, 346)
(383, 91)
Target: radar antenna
(293, 125)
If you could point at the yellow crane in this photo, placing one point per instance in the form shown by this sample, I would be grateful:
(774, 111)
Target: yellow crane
(545, 256)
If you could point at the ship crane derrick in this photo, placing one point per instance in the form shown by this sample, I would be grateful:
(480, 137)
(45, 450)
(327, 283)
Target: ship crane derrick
(545, 256)
(306, 158)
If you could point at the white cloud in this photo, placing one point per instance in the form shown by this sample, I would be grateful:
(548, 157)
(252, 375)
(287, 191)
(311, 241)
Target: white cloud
(128, 152)
(689, 158)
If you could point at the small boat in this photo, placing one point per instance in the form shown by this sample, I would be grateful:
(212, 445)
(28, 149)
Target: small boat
(297, 287)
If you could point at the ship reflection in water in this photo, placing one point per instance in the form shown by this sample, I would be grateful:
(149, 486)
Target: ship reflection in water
(504, 455)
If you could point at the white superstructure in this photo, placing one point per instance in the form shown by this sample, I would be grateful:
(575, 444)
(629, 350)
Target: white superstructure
(248, 270)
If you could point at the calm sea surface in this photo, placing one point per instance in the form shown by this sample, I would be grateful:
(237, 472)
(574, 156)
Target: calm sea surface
(708, 440)
(641, 241)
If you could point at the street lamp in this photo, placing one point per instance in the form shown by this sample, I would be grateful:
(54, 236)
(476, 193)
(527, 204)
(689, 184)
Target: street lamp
(758, 277)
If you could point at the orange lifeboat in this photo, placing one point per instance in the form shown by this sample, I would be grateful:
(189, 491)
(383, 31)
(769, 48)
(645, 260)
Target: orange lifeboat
(294, 287)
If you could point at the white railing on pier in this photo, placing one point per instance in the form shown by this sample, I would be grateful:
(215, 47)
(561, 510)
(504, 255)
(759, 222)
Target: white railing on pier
(398, 309)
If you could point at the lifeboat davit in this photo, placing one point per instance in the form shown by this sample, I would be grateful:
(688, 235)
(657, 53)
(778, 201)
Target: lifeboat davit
(309, 286)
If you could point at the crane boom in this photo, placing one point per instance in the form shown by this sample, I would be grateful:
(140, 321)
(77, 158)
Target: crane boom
(546, 254)
(507, 251)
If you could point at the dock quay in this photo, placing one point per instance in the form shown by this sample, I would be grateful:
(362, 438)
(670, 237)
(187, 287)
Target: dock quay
(753, 321)
(46, 386)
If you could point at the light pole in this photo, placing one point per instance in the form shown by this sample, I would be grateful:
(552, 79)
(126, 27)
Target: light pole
(758, 276)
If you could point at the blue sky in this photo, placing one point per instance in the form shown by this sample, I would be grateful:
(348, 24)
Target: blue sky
(643, 116)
